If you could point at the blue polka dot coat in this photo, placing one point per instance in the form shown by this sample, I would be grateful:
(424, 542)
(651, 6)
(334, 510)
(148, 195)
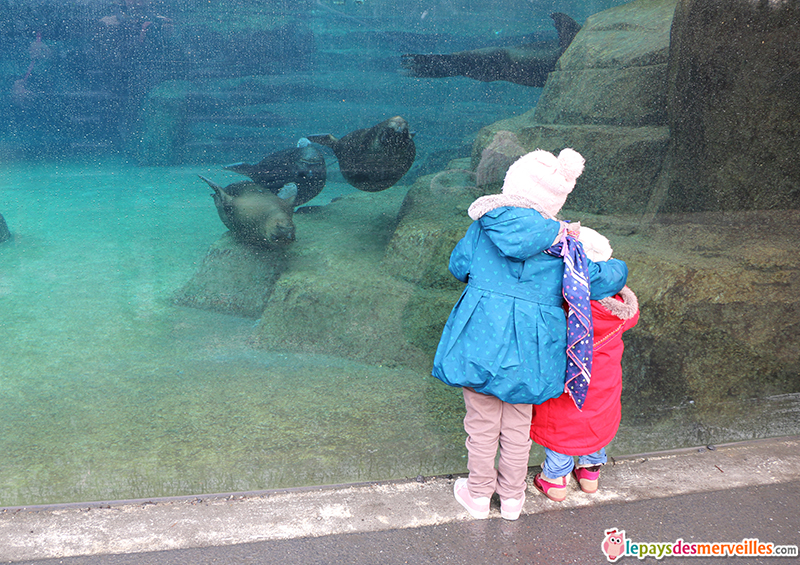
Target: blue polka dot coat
(507, 334)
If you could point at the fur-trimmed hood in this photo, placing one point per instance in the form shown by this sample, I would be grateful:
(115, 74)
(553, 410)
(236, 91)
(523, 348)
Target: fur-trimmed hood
(625, 309)
(490, 202)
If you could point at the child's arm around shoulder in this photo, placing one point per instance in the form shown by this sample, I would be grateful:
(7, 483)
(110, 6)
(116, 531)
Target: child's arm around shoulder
(606, 278)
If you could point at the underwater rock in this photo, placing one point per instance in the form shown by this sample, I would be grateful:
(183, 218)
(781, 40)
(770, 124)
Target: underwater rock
(718, 314)
(233, 279)
(430, 222)
(335, 299)
(348, 312)
(734, 106)
(614, 73)
(622, 163)
(369, 281)
(664, 98)
(375, 158)
(527, 64)
(497, 157)
(255, 217)
(453, 180)
(164, 124)
(5, 234)
(607, 99)
(303, 165)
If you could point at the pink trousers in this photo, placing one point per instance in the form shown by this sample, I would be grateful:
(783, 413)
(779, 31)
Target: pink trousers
(491, 423)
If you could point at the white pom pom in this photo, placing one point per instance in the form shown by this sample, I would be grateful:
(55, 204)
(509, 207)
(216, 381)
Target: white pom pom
(570, 164)
(596, 245)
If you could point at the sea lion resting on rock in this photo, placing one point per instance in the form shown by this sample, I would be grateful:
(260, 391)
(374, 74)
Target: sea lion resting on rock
(255, 217)
(303, 165)
(375, 158)
(527, 64)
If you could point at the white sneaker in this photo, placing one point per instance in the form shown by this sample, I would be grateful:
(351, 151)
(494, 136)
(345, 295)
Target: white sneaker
(510, 508)
(477, 507)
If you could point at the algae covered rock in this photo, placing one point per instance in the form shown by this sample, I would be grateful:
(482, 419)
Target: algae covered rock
(615, 71)
(734, 98)
(664, 99)
(432, 219)
(367, 280)
(718, 314)
(607, 99)
(234, 278)
(497, 157)
(334, 297)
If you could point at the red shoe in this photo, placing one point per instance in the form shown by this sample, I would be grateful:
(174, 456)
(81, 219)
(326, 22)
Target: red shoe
(554, 491)
(587, 478)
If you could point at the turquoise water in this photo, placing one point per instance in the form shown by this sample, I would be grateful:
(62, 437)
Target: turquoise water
(109, 391)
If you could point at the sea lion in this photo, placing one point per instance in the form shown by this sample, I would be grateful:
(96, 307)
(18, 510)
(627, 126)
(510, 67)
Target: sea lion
(303, 165)
(375, 158)
(255, 217)
(527, 64)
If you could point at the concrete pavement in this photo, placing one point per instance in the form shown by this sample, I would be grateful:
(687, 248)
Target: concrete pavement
(724, 494)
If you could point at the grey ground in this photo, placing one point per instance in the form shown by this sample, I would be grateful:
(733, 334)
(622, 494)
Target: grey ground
(724, 494)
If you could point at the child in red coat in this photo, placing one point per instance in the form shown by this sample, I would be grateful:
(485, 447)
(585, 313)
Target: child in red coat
(557, 424)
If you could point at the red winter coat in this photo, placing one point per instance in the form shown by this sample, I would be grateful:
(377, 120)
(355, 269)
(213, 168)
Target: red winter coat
(557, 423)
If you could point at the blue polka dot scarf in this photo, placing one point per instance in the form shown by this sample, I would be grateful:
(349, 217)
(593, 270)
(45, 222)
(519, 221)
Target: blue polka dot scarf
(580, 335)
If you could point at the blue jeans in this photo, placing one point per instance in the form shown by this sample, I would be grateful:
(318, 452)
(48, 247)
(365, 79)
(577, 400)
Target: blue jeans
(557, 465)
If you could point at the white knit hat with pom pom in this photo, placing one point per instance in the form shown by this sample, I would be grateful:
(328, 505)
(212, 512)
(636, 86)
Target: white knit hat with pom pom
(544, 178)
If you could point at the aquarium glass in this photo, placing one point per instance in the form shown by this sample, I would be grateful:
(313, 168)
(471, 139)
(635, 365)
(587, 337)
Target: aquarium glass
(155, 343)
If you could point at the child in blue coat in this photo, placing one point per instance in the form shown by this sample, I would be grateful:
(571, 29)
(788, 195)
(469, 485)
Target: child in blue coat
(505, 342)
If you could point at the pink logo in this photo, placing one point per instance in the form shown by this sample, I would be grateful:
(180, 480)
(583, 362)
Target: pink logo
(614, 544)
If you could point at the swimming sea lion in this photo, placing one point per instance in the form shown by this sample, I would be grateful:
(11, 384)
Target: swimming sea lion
(254, 216)
(303, 165)
(375, 158)
(527, 64)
